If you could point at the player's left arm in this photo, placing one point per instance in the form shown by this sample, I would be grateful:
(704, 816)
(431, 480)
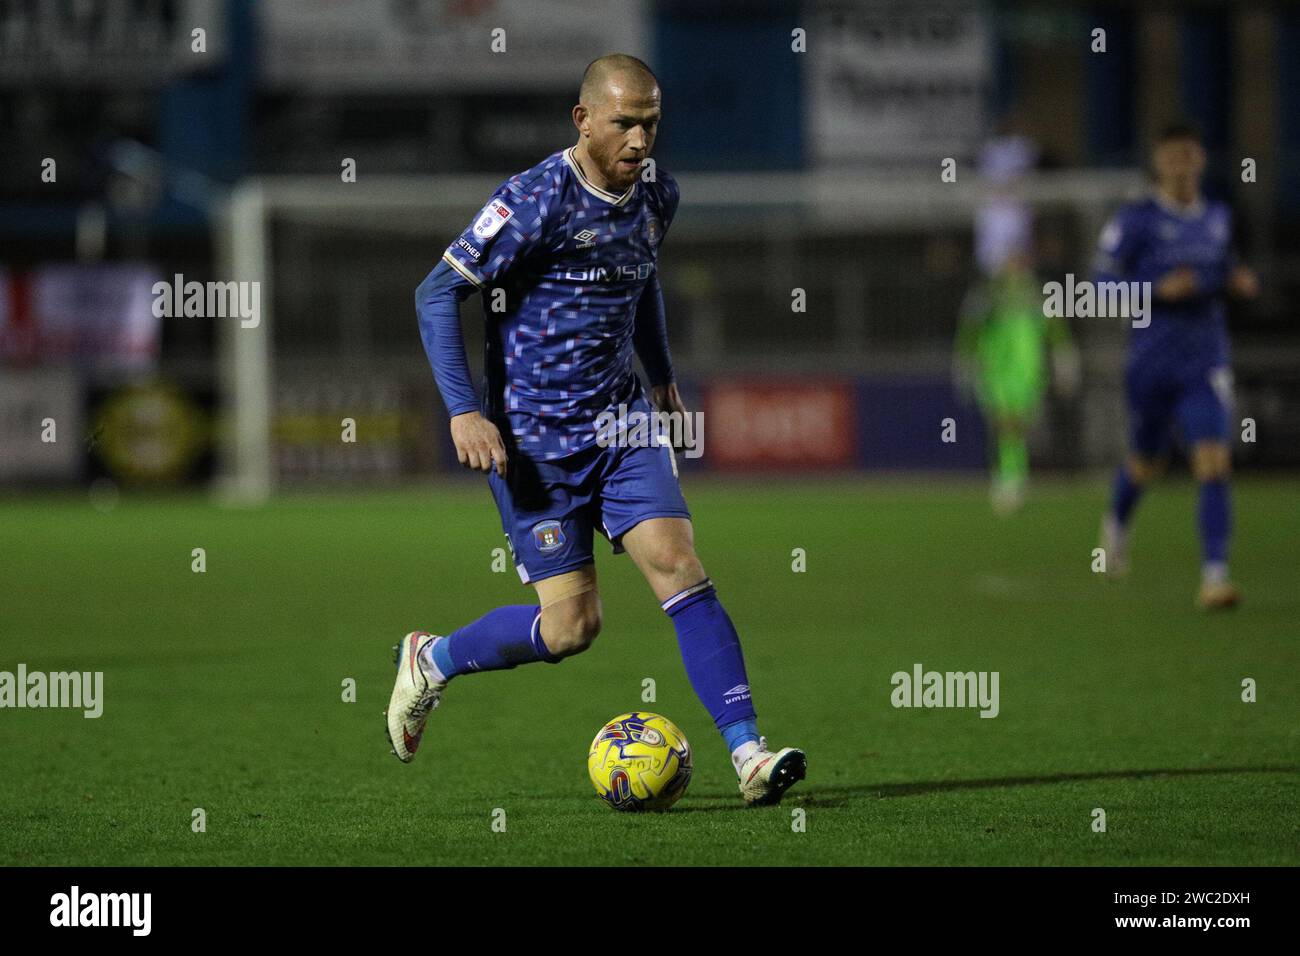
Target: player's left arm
(650, 331)
(650, 339)
(1242, 282)
(1229, 275)
(1067, 365)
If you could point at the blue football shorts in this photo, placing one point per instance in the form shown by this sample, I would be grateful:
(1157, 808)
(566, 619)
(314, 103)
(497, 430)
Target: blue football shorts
(1199, 404)
(550, 509)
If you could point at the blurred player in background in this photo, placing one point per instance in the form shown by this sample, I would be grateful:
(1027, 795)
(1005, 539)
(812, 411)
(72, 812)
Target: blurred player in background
(1003, 336)
(565, 256)
(1003, 343)
(1178, 369)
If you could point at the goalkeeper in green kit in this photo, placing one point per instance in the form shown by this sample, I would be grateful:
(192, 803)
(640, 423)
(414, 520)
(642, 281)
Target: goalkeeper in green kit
(1003, 344)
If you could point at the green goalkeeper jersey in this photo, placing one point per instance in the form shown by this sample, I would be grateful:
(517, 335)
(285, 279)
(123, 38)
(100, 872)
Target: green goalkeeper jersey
(1005, 334)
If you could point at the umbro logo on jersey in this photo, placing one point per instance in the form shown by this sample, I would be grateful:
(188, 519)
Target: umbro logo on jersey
(586, 239)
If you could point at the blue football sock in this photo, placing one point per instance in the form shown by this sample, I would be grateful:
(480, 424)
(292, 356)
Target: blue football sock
(741, 732)
(1215, 519)
(1125, 496)
(711, 651)
(500, 639)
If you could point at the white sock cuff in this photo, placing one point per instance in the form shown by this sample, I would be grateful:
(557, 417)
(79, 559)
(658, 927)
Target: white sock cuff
(743, 753)
(683, 594)
(1214, 572)
(427, 664)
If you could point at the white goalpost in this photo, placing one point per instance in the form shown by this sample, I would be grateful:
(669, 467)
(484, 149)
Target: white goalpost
(245, 356)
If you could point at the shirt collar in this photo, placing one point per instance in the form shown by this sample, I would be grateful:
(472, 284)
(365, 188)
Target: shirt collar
(613, 199)
(1189, 213)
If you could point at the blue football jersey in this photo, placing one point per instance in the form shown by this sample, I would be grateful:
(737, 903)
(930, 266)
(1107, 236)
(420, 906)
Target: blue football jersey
(1145, 241)
(561, 265)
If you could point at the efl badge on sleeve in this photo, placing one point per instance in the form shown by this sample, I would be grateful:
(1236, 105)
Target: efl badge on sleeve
(548, 536)
(491, 219)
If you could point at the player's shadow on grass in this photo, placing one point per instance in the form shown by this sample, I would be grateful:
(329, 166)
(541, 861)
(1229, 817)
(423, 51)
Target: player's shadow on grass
(840, 796)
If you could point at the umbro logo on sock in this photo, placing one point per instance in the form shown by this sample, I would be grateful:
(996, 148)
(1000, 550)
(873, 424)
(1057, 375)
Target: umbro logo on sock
(739, 692)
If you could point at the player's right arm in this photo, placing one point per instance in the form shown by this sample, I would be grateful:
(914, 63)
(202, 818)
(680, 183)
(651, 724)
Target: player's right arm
(1117, 252)
(975, 309)
(506, 231)
(437, 303)
(1118, 247)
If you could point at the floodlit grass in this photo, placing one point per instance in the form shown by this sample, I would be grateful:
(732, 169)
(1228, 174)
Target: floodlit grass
(223, 690)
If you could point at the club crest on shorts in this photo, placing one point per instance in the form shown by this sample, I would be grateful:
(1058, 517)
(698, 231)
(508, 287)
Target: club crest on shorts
(548, 536)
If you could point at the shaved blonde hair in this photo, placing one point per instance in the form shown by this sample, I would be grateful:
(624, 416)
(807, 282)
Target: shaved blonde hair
(599, 73)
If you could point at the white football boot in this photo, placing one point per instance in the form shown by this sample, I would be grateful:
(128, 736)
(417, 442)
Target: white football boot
(414, 696)
(765, 776)
(1217, 596)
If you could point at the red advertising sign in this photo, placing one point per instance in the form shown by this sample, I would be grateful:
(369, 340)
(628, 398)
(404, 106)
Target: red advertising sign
(98, 314)
(782, 423)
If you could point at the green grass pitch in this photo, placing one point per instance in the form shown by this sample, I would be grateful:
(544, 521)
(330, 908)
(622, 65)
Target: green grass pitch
(223, 690)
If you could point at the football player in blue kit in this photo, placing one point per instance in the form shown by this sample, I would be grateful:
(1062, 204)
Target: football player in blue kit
(565, 258)
(1178, 371)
